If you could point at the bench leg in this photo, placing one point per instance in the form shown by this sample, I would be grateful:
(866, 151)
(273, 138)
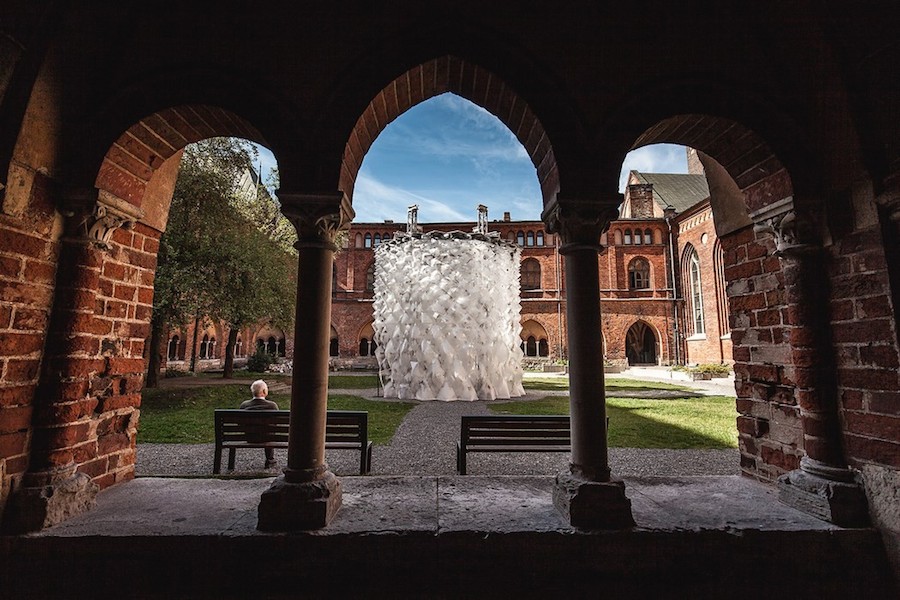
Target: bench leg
(367, 467)
(231, 453)
(217, 461)
(460, 460)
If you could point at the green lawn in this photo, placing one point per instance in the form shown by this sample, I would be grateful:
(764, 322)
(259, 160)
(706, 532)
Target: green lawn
(352, 382)
(612, 384)
(706, 422)
(185, 415)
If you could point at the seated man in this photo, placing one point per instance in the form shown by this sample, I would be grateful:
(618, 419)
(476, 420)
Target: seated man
(260, 390)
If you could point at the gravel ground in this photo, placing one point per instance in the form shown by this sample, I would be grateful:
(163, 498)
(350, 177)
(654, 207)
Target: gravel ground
(425, 444)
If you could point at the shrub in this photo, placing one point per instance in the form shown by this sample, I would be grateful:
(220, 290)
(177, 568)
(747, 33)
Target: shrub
(259, 361)
(714, 369)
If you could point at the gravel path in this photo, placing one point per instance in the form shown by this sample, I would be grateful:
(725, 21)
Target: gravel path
(425, 444)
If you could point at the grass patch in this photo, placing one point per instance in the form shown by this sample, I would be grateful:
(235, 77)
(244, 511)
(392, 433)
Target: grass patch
(699, 423)
(184, 416)
(612, 384)
(384, 417)
(352, 382)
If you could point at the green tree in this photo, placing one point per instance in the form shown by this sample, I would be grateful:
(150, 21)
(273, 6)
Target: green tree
(218, 258)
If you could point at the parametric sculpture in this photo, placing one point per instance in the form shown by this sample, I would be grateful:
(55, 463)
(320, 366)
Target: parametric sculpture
(447, 316)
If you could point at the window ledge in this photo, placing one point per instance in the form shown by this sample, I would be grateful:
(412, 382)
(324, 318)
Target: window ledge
(695, 337)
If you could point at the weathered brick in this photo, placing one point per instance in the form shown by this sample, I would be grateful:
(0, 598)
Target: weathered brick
(885, 402)
(15, 418)
(30, 319)
(874, 450)
(95, 468)
(19, 344)
(15, 395)
(40, 272)
(22, 371)
(16, 242)
(12, 444)
(10, 267)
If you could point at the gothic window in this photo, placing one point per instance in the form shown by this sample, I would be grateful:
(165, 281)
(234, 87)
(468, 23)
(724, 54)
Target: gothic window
(368, 240)
(530, 238)
(172, 353)
(511, 236)
(520, 238)
(204, 347)
(239, 348)
(281, 348)
(333, 347)
(721, 296)
(530, 274)
(364, 347)
(370, 279)
(540, 238)
(211, 348)
(272, 346)
(639, 274)
(627, 241)
(377, 239)
(543, 347)
(359, 240)
(637, 236)
(648, 236)
(694, 292)
(531, 346)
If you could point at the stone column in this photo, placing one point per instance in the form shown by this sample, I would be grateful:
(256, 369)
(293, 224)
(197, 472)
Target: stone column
(823, 485)
(588, 496)
(52, 489)
(308, 495)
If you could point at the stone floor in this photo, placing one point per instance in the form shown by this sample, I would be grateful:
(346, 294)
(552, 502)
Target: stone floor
(449, 537)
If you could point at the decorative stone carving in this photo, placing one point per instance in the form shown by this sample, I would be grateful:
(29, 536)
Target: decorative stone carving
(318, 218)
(579, 223)
(794, 232)
(93, 216)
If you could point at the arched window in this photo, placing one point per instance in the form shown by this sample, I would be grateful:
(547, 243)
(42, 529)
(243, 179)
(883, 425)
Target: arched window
(648, 236)
(530, 238)
(637, 237)
(333, 347)
(617, 238)
(364, 347)
(639, 274)
(520, 238)
(543, 347)
(272, 346)
(386, 236)
(377, 239)
(261, 344)
(721, 296)
(211, 348)
(511, 236)
(204, 346)
(530, 275)
(540, 238)
(359, 240)
(238, 348)
(627, 237)
(172, 351)
(531, 346)
(281, 348)
(368, 240)
(370, 279)
(693, 292)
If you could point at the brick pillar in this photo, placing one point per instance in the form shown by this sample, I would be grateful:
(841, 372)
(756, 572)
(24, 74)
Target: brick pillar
(52, 489)
(823, 485)
(308, 495)
(587, 495)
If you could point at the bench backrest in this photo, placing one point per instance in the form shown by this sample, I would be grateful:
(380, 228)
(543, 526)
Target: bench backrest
(236, 426)
(515, 430)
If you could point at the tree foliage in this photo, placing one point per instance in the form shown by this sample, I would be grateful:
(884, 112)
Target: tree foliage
(227, 252)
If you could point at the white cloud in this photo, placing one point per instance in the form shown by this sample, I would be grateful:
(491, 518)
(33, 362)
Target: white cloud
(375, 201)
(657, 158)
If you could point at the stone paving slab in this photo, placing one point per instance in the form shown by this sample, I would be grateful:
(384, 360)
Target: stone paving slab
(164, 507)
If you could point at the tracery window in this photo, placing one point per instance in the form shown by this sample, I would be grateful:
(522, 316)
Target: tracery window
(530, 274)
(370, 278)
(639, 274)
(694, 292)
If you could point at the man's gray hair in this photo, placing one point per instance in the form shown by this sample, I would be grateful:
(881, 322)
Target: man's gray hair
(258, 386)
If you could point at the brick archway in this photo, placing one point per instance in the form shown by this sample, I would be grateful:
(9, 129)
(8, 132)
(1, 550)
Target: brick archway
(470, 81)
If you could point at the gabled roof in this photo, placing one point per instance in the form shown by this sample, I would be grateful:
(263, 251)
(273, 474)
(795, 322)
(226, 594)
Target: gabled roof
(678, 190)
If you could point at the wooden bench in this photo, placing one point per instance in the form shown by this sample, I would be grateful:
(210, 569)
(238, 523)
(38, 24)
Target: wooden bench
(236, 429)
(512, 433)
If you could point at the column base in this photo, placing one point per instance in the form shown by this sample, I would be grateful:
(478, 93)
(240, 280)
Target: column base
(299, 506)
(839, 500)
(592, 504)
(50, 499)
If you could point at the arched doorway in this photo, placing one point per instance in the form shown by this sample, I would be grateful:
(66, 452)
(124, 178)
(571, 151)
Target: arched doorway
(534, 339)
(366, 339)
(640, 344)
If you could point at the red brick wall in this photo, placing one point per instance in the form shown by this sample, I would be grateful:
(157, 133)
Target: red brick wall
(769, 431)
(28, 255)
(865, 346)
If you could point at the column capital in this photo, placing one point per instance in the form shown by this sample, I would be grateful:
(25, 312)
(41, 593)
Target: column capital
(317, 217)
(92, 215)
(793, 230)
(579, 222)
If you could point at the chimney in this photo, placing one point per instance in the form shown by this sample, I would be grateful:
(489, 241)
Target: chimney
(641, 195)
(506, 217)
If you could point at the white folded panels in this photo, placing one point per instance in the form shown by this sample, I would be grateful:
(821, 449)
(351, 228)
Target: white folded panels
(447, 317)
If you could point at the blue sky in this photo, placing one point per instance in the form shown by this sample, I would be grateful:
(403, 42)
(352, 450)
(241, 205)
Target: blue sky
(448, 155)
